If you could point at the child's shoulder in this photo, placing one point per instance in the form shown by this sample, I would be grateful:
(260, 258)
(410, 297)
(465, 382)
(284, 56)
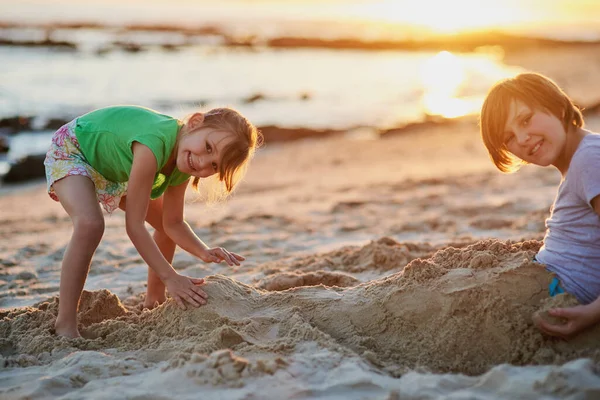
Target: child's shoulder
(590, 144)
(120, 116)
(125, 109)
(587, 151)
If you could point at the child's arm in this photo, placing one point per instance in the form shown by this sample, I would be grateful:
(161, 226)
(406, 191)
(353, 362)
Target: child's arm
(181, 233)
(139, 188)
(577, 318)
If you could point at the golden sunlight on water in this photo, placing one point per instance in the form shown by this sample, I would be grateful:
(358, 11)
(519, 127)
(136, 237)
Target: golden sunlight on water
(444, 76)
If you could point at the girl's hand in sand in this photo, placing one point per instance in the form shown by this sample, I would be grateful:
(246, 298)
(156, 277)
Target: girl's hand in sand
(577, 319)
(219, 254)
(185, 290)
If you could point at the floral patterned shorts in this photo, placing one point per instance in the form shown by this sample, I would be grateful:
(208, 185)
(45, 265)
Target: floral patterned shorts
(65, 158)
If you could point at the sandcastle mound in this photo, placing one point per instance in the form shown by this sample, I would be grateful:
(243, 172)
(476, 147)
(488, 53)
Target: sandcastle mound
(461, 310)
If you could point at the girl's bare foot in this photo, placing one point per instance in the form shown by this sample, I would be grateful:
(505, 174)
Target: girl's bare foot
(154, 301)
(149, 306)
(66, 329)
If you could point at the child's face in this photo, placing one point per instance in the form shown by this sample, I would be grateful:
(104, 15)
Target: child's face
(199, 153)
(533, 135)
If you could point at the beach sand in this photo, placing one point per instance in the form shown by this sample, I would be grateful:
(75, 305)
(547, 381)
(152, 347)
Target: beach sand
(395, 268)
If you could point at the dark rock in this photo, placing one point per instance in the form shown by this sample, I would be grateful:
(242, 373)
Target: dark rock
(3, 144)
(76, 25)
(169, 47)
(128, 46)
(15, 124)
(256, 97)
(248, 41)
(55, 123)
(29, 167)
(39, 43)
(103, 50)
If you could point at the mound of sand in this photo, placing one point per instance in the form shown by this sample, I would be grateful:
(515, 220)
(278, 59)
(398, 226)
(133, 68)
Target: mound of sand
(461, 310)
(288, 280)
(385, 254)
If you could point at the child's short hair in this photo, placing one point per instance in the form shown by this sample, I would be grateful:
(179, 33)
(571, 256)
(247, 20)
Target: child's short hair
(236, 154)
(537, 92)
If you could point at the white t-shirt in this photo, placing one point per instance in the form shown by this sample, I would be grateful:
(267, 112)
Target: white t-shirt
(572, 244)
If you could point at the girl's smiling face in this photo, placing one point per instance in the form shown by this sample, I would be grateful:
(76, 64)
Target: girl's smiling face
(200, 150)
(533, 135)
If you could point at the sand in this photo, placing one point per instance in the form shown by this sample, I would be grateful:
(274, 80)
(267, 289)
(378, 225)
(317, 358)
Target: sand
(397, 268)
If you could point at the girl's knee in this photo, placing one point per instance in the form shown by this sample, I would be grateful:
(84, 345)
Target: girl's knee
(160, 234)
(158, 227)
(92, 227)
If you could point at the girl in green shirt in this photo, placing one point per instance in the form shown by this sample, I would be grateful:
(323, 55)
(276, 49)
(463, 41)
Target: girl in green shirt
(142, 161)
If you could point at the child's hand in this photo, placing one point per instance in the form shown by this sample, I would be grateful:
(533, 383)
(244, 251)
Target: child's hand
(576, 319)
(219, 254)
(184, 290)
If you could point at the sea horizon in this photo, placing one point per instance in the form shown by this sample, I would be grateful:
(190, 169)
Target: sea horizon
(374, 19)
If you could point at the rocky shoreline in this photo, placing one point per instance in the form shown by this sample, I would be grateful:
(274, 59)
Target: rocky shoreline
(31, 166)
(119, 39)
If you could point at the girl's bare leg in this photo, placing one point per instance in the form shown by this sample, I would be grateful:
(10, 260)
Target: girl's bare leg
(155, 292)
(78, 197)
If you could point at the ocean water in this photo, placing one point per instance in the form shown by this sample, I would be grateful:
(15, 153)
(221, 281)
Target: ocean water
(293, 88)
(312, 88)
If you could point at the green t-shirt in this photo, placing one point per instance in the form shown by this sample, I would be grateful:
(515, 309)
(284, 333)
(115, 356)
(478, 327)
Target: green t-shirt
(105, 137)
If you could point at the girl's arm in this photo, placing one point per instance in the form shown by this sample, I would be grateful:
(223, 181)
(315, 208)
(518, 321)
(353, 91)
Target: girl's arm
(139, 188)
(578, 318)
(181, 233)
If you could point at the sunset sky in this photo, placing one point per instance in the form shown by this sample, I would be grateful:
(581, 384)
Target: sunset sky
(440, 16)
